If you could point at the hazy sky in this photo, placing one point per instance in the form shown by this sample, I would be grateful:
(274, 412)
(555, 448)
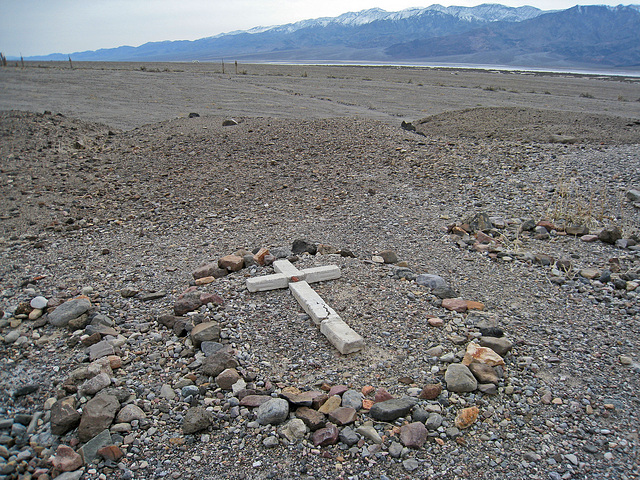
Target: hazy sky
(38, 27)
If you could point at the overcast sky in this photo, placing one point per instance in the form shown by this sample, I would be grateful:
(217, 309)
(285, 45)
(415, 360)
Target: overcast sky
(39, 27)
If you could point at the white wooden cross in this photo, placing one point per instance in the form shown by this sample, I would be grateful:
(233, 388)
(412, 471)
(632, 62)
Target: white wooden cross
(331, 325)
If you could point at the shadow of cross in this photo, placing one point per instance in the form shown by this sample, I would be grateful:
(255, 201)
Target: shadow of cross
(331, 325)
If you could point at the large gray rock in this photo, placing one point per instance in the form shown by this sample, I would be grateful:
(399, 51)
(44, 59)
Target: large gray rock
(97, 415)
(129, 413)
(431, 281)
(89, 450)
(205, 332)
(64, 416)
(95, 384)
(500, 345)
(273, 412)
(68, 311)
(390, 410)
(460, 379)
(633, 195)
(215, 364)
(610, 235)
(196, 419)
(353, 399)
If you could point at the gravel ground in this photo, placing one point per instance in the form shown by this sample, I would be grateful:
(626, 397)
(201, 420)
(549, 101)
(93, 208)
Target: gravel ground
(124, 218)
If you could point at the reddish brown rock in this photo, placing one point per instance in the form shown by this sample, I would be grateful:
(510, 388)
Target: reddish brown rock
(546, 224)
(311, 418)
(436, 322)
(338, 390)
(259, 257)
(325, 436)
(66, 459)
(227, 378)
(431, 392)
(233, 263)
(206, 270)
(413, 435)
(188, 303)
(318, 399)
(382, 396)
(343, 415)
(206, 298)
(482, 237)
(111, 452)
(455, 304)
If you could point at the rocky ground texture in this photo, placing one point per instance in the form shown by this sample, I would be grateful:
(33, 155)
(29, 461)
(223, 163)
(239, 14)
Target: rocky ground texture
(491, 265)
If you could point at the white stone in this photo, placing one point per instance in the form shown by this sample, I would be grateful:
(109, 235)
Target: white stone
(39, 302)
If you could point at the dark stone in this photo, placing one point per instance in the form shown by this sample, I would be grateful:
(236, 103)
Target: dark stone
(195, 420)
(97, 415)
(610, 235)
(311, 418)
(444, 292)
(605, 277)
(26, 390)
(215, 364)
(167, 320)
(64, 416)
(302, 246)
(408, 126)
(492, 332)
(390, 410)
(194, 115)
(325, 436)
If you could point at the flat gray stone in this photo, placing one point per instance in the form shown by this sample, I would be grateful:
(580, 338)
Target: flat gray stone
(390, 410)
(100, 349)
(95, 384)
(89, 450)
(431, 281)
(39, 302)
(69, 310)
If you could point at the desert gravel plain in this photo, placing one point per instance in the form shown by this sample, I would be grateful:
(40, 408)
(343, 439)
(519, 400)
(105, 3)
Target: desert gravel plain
(488, 248)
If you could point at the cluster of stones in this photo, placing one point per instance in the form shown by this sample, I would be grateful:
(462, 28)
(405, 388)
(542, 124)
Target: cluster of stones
(485, 234)
(210, 271)
(88, 402)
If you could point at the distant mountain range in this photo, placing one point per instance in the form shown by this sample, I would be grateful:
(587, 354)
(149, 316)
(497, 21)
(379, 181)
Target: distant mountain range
(489, 34)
